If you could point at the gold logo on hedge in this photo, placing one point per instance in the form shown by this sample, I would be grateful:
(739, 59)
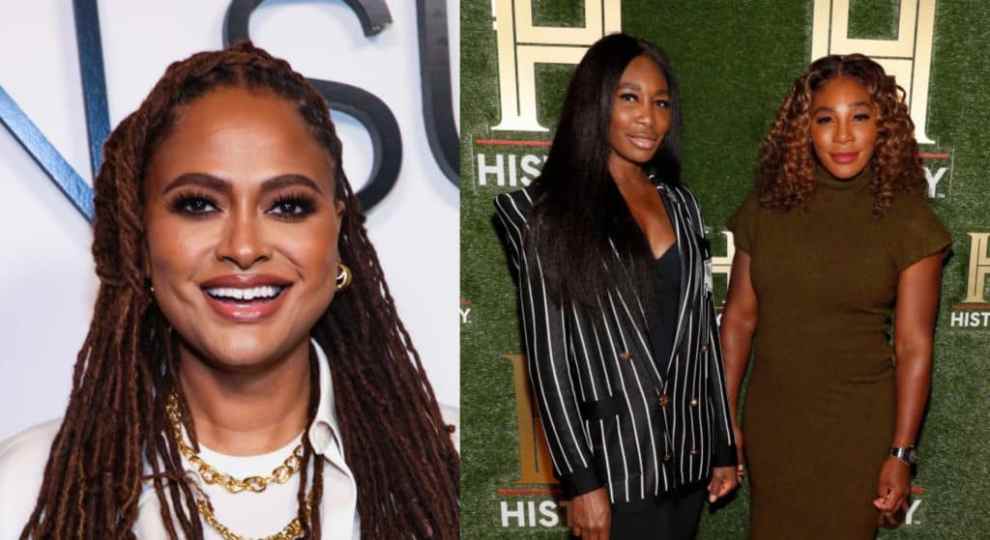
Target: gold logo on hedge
(979, 268)
(974, 311)
(534, 458)
(522, 45)
(908, 58)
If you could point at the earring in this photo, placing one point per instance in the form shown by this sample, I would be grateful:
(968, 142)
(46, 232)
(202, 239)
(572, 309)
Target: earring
(344, 276)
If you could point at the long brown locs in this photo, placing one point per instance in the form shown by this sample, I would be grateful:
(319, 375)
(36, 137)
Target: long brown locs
(396, 444)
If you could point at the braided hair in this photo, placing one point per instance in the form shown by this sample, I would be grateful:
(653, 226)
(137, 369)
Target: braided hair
(115, 427)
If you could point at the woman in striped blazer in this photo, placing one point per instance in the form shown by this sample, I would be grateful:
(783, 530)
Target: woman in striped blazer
(615, 297)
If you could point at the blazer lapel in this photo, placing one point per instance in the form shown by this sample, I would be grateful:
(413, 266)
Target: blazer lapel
(688, 245)
(630, 307)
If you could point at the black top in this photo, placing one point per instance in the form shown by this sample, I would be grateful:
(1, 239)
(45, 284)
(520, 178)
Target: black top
(662, 312)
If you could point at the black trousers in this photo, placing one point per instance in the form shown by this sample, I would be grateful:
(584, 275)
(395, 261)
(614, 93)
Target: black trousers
(673, 517)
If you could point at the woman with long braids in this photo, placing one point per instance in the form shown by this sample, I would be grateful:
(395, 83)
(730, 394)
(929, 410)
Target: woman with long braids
(615, 296)
(245, 373)
(836, 238)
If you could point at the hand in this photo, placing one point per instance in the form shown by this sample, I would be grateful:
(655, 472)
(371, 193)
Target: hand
(740, 453)
(892, 489)
(722, 483)
(589, 516)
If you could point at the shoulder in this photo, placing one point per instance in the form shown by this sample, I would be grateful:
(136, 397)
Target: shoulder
(22, 467)
(914, 211)
(912, 215)
(29, 447)
(679, 193)
(749, 206)
(685, 201)
(743, 222)
(514, 206)
(752, 200)
(683, 196)
(910, 205)
(512, 210)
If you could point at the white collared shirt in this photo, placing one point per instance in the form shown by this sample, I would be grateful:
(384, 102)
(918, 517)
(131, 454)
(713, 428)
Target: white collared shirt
(23, 459)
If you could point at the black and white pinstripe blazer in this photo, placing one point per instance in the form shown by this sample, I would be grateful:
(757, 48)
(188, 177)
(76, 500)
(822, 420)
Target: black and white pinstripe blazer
(611, 418)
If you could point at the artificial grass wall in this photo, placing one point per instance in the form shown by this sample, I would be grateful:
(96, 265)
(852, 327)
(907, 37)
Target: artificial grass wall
(735, 61)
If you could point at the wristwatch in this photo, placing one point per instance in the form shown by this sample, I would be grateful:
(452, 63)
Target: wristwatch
(907, 455)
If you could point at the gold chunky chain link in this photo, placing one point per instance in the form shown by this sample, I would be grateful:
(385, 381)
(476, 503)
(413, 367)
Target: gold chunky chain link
(210, 475)
(292, 531)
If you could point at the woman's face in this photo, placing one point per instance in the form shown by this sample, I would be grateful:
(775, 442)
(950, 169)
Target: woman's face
(843, 126)
(641, 110)
(242, 227)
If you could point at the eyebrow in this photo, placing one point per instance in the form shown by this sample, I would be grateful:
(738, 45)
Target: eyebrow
(851, 105)
(224, 186)
(663, 91)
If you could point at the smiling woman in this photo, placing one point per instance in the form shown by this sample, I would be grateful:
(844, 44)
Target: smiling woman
(836, 239)
(246, 371)
(619, 326)
(242, 227)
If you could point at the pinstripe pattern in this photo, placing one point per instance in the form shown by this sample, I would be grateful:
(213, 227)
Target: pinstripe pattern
(596, 383)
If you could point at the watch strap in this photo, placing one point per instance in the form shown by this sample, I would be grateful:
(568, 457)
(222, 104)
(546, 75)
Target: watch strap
(905, 454)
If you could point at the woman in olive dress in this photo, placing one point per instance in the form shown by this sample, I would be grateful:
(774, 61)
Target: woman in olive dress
(836, 238)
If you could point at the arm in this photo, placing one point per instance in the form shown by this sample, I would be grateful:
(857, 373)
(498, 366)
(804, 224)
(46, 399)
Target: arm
(548, 361)
(544, 333)
(724, 456)
(914, 322)
(736, 333)
(545, 341)
(724, 459)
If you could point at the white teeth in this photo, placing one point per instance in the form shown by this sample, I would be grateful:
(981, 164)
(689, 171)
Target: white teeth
(266, 292)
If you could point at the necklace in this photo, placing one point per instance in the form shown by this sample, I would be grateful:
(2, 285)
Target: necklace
(292, 531)
(210, 475)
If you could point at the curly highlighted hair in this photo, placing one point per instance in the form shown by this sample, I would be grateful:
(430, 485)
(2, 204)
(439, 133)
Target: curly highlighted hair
(786, 174)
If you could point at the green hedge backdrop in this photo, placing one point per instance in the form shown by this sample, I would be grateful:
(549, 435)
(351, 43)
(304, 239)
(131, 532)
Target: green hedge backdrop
(735, 60)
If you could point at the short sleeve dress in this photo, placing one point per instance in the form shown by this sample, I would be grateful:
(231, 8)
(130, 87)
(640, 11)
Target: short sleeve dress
(821, 403)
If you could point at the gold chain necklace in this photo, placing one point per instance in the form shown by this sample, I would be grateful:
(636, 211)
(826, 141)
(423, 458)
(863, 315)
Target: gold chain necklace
(210, 475)
(292, 531)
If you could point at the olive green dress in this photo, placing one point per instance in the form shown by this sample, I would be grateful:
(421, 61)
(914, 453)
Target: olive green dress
(820, 408)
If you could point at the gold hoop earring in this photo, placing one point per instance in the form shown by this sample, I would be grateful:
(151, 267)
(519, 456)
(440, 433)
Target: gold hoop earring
(344, 276)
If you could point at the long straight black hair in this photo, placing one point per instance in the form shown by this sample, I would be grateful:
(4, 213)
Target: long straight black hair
(579, 209)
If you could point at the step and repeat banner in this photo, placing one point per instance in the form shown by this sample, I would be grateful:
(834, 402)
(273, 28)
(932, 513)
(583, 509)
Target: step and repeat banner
(735, 62)
(69, 71)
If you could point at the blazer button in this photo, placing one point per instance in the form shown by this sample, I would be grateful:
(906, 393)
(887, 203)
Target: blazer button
(666, 456)
(704, 347)
(694, 451)
(664, 400)
(694, 402)
(626, 355)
